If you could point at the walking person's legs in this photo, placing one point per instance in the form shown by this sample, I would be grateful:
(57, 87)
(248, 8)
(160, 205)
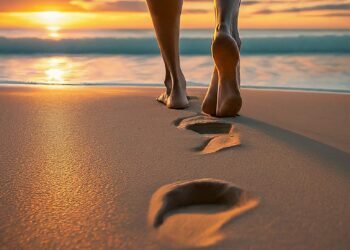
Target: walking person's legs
(166, 20)
(223, 96)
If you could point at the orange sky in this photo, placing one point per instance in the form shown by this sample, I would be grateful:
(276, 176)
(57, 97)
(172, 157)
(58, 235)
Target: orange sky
(105, 14)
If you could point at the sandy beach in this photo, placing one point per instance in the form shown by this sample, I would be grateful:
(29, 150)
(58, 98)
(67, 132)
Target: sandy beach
(79, 166)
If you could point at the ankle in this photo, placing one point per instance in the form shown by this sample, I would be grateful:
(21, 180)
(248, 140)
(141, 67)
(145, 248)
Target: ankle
(179, 86)
(236, 37)
(179, 80)
(222, 27)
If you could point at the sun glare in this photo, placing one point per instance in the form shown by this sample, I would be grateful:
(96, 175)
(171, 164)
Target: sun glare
(55, 75)
(56, 71)
(50, 17)
(53, 21)
(53, 28)
(53, 32)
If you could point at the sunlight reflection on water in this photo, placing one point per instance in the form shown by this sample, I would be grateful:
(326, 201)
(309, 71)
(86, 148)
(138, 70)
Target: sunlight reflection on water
(299, 71)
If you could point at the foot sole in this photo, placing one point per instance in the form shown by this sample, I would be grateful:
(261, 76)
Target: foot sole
(226, 57)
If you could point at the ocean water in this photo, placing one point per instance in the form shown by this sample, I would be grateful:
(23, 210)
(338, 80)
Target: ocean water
(287, 59)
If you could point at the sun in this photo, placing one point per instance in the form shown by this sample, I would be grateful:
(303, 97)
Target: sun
(52, 20)
(50, 17)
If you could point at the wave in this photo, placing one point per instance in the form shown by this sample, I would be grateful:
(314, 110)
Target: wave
(189, 46)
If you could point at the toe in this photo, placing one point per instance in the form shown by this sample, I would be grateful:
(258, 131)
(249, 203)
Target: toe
(163, 98)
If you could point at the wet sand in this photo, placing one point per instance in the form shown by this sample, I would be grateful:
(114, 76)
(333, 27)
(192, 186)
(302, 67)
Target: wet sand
(79, 167)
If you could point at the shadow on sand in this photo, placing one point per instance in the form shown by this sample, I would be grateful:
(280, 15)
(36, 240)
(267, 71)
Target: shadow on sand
(334, 157)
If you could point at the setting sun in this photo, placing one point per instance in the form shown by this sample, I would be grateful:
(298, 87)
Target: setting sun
(50, 17)
(53, 22)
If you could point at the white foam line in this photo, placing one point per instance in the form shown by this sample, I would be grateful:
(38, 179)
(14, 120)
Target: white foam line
(10, 83)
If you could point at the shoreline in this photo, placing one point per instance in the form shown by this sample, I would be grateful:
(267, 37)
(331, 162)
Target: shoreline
(157, 85)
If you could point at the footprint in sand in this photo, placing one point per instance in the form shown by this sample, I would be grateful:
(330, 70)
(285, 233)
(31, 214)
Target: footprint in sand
(220, 133)
(191, 213)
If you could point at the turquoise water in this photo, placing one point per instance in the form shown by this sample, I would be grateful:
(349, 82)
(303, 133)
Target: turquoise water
(301, 59)
(193, 42)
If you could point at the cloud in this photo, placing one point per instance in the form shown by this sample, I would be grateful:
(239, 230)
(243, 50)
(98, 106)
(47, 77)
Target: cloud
(84, 6)
(123, 6)
(248, 3)
(243, 2)
(336, 14)
(140, 5)
(36, 5)
(195, 11)
(329, 7)
(127, 6)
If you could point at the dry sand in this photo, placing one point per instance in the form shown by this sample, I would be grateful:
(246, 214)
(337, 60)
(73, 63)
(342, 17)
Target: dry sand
(79, 167)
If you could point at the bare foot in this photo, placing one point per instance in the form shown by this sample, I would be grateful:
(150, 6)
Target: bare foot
(210, 99)
(174, 97)
(163, 98)
(226, 57)
(178, 97)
